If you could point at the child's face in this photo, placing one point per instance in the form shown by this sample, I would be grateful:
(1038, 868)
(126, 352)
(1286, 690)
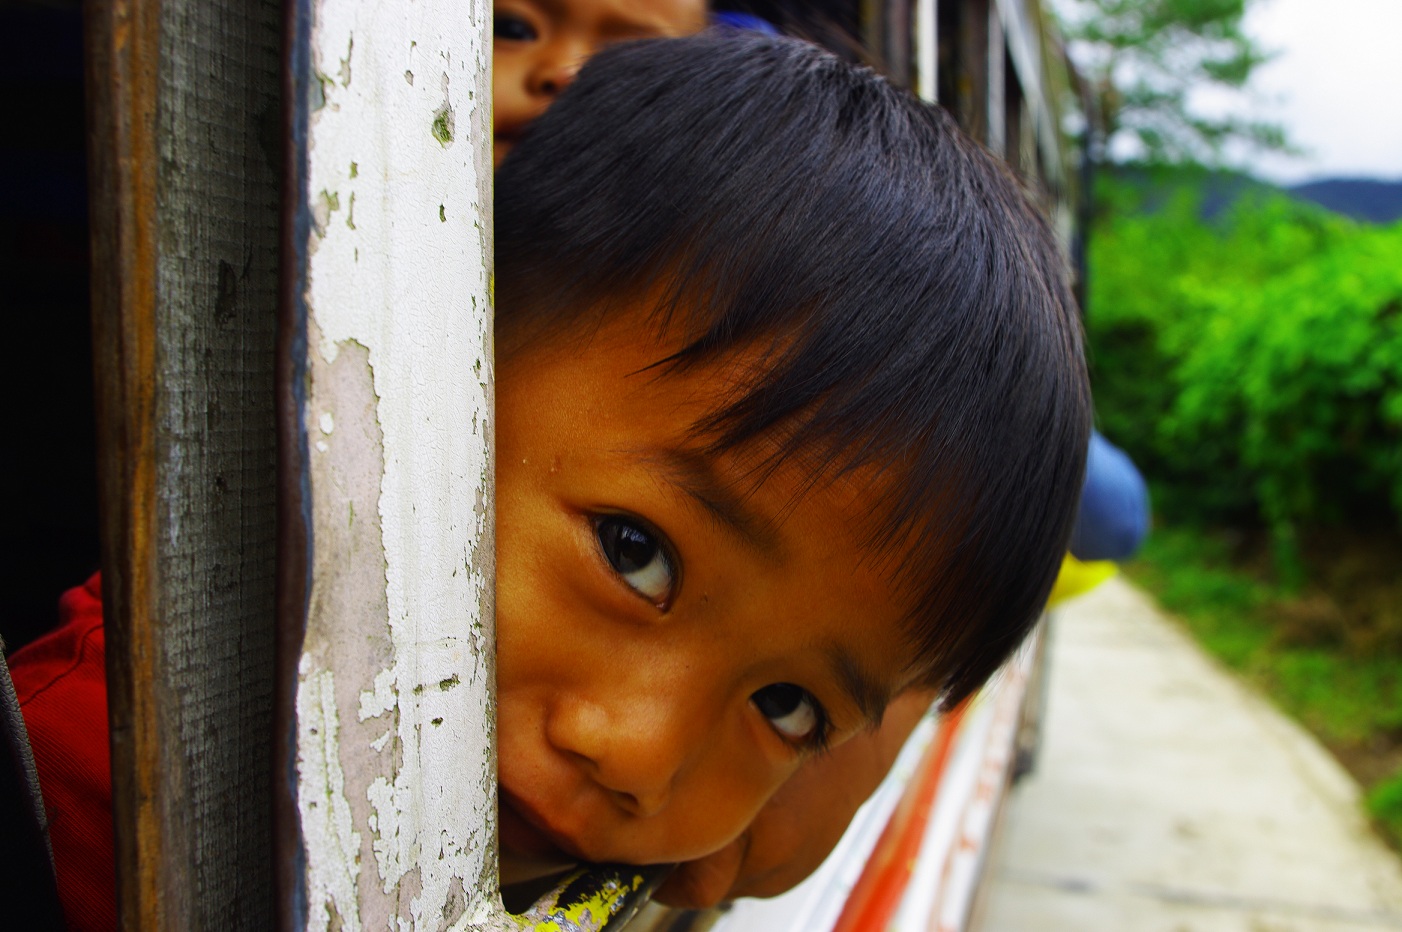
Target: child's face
(540, 44)
(670, 648)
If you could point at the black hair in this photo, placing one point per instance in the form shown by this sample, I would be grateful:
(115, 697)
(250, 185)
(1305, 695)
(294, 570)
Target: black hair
(763, 193)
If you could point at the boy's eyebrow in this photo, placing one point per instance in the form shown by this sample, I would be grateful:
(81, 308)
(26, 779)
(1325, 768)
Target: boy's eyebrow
(865, 691)
(695, 474)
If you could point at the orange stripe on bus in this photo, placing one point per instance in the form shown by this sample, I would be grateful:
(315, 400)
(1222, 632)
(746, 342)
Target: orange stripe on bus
(877, 894)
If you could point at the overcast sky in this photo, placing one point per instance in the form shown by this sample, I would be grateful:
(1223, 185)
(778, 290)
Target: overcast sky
(1336, 85)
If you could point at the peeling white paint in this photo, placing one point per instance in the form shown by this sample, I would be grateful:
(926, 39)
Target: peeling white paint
(395, 741)
(326, 815)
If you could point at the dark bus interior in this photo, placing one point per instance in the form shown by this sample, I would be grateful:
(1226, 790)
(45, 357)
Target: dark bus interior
(51, 496)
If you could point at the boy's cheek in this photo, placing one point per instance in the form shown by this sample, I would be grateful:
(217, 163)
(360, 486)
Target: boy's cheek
(790, 837)
(703, 883)
(707, 815)
(512, 107)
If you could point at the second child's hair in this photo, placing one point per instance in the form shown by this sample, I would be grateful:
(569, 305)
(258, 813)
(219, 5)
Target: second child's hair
(910, 306)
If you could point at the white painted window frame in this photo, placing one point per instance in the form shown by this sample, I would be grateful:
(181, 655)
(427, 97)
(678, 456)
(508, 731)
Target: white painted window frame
(394, 767)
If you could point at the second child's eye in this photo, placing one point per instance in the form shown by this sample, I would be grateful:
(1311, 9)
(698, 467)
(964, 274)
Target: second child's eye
(793, 712)
(639, 555)
(512, 28)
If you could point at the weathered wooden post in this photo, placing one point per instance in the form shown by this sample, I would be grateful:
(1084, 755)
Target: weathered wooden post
(183, 104)
(387, 779)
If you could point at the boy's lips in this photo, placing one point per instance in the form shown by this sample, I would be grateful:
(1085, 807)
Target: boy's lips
(524, 831)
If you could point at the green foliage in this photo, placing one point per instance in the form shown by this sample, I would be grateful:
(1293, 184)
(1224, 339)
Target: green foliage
(1385, 805)
(1252, 365)
(1188, 572)
(1140, 60)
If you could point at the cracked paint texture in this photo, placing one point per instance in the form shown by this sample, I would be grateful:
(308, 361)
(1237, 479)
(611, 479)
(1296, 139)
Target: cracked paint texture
(396, 771)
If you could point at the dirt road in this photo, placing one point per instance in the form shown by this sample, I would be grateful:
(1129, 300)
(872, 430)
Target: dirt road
(1169, 797)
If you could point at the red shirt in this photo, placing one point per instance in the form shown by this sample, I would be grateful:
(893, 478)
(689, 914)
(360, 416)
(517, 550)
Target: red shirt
(61, 681)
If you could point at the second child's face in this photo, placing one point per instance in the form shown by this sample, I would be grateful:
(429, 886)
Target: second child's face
(672, 641)
(538, 46)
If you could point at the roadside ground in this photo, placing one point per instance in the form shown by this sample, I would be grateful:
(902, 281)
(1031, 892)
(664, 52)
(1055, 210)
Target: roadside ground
(1169, 797)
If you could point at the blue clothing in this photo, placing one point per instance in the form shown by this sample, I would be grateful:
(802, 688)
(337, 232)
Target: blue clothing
(744, 21)
(1114, 514)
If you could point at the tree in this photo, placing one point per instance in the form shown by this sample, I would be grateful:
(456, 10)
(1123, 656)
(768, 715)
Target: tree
(1140, 59)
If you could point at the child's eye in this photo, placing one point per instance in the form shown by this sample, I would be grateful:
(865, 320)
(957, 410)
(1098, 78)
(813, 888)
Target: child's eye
(512, 28)
(794, 713)
(638, 554)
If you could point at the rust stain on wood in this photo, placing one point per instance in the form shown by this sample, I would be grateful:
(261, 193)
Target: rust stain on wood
(122, 40)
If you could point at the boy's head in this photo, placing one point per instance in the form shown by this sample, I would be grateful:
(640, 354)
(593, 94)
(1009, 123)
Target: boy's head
(792, 416)
(539, 45)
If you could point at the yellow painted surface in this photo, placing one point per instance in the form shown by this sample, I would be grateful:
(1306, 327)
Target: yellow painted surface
(1077, 577)
(588, 914)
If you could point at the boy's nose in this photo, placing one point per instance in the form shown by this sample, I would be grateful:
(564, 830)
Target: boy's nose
(556, 68)
(634, 752)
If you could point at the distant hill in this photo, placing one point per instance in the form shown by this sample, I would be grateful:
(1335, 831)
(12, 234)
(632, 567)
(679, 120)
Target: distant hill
(1360, 198)
(1368, 200)
(1216, 190)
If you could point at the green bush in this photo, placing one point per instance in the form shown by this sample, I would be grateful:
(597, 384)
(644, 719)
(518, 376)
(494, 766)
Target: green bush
(1385, 805)
(1252, 365)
